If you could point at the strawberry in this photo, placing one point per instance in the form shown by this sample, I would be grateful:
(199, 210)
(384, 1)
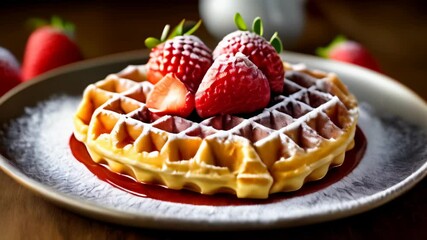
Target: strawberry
(186, 56)
(10, 73)
(153, 66)
(344, 50)
(262, 53)
(49, 47)
(170, 96)
(232, 85)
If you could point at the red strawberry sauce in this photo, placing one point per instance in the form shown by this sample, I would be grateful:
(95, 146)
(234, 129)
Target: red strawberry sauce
(352, 159)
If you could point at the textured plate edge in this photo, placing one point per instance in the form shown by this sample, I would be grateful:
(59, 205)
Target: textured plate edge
(381, 79)
(81, 65)
(111, 215)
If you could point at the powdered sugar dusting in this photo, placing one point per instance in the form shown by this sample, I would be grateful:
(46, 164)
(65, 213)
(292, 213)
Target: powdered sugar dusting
(37, 144)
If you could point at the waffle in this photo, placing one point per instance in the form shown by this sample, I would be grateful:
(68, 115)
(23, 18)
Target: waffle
(296, 139)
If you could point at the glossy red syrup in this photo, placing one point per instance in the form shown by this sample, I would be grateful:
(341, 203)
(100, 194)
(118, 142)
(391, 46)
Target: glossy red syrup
(128, 184)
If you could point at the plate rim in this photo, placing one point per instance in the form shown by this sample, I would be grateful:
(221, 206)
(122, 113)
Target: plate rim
(112, 215)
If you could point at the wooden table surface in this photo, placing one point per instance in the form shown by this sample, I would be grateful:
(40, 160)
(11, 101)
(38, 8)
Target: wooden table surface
(394, 31)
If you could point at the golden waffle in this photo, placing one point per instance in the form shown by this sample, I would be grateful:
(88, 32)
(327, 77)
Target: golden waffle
(295, 139)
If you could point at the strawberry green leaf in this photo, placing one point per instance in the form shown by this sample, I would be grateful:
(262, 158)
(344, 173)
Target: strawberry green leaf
(181, 29)
(34, 23)
(276, 42)
(240, 23)
(257, 26)
(165, 33)
(68, 28)
(324, 51)
(151, 42)
(59, 23)
(193, 28)
(177, 31)
(56, 22)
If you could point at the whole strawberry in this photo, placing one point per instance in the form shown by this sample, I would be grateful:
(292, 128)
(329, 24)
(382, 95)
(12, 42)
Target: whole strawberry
(232, 85)
(182, 54)
(10, 74)
(344, 50)
(49, 47)
(155, 62)
(262, 53)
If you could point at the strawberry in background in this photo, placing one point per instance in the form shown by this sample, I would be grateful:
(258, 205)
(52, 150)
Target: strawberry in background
(10, 73)
(50, 46)
(342, 49)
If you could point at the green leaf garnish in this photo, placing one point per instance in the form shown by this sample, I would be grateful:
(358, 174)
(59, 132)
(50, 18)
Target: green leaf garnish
(151, 42)
(240, 23)
(56, 21)
(34, 23)
(177, 31)
(324, 51)
(257, 26)
(194, 28)
(165, 33)
(276, 42)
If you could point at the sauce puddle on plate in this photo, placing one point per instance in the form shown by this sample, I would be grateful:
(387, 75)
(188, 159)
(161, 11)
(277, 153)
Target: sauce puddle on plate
(128, 184)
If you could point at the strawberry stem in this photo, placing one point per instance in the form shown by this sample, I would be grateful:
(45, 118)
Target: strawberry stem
(276, 42)
(324, 51)
(65, 26)
(34, 23)
(179, 30)
(151, 42)
(194, 28)
(165, 33)
(56, 22)
(257, 26)
(240, 23)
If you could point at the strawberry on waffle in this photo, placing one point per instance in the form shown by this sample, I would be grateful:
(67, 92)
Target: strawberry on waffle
(266, 142)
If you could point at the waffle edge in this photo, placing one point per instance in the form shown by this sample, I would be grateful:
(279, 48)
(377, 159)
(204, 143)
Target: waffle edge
(301, 134)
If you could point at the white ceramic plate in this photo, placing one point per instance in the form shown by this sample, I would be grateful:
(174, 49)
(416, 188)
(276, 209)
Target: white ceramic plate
(36, 123)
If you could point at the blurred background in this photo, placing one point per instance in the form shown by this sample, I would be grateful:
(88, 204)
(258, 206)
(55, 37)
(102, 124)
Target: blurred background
(395, 32)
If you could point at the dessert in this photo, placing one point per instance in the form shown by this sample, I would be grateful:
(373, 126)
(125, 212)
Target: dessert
(277, 146)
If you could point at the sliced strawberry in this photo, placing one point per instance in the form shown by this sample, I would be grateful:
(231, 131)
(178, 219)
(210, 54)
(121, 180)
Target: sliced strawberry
(170, 96)
(232, 85)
